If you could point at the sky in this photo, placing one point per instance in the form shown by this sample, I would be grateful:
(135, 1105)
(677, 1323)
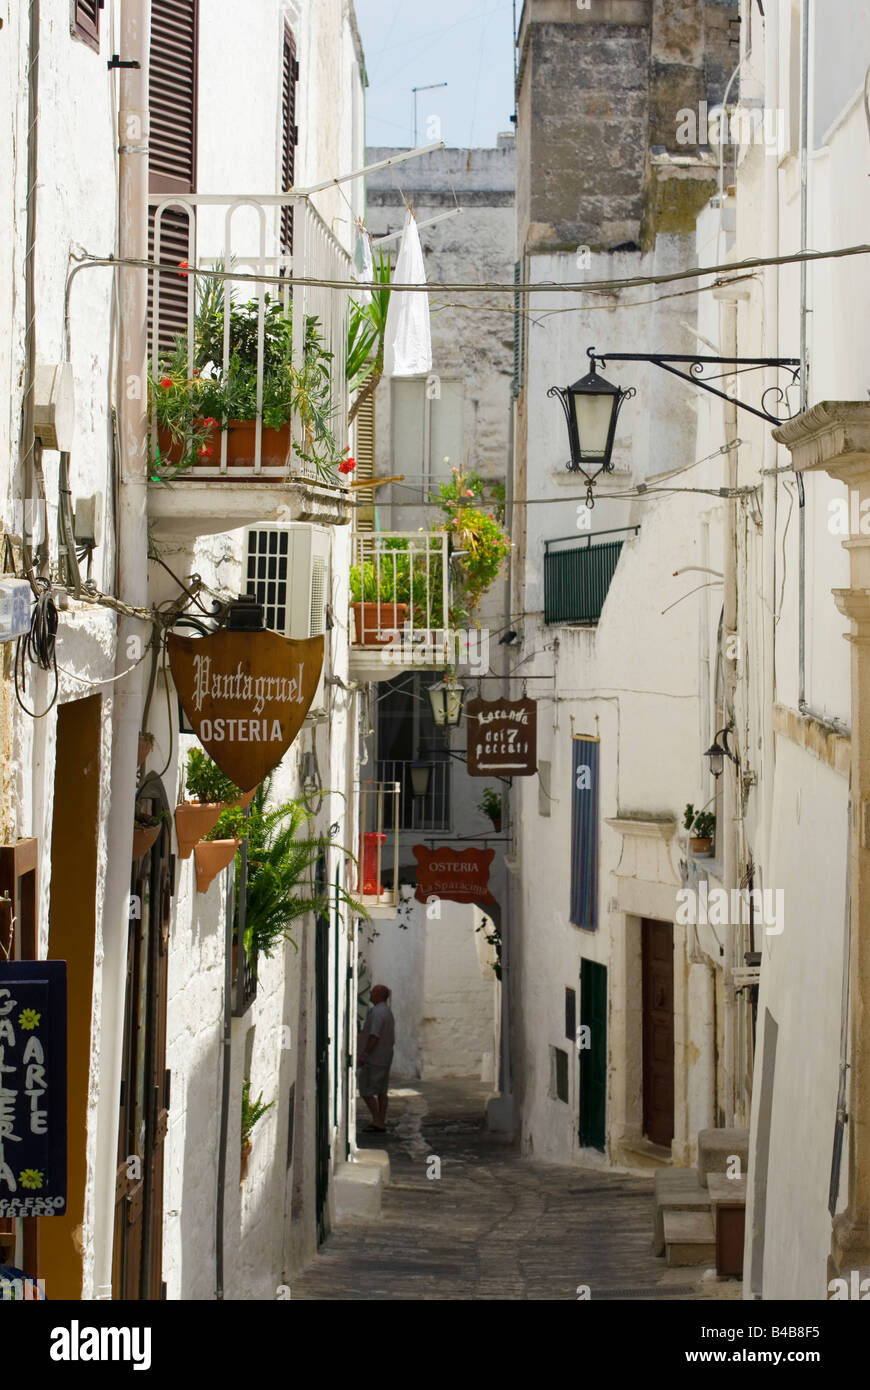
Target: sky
(466, 43)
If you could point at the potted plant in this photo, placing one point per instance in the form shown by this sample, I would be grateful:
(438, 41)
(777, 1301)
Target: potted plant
(476, 535)
(374, 599)
(212, 793)
(490, 805)
(146, 829)
(701, 826)
(252, 1111)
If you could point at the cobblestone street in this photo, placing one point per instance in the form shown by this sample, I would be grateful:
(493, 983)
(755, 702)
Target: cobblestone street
(494, 1226)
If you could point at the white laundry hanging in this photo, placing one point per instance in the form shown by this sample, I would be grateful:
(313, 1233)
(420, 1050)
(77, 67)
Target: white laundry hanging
(363, 264)
(407, 340)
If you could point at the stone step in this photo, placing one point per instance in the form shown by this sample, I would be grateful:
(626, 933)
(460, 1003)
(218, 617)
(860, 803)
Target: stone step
(717, 1146)
(725, 1189)
(689, 1238)
(676, 1189)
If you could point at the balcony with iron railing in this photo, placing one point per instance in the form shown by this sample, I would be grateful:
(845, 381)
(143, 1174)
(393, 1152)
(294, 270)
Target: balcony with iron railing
(578, 576)
(424, 794)
(378, 864)
(400, 604)
(247, 410)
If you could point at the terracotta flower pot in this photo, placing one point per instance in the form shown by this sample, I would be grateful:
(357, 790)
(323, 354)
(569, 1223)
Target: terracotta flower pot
(194, 819)
(375, 623)
(172, 450)
(242, 443)
(143, 838)
(701, 844)
(496, 824)
(247, 1148)
(210, 856)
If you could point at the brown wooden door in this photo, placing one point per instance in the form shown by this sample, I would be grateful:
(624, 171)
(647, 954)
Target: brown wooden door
(138, 1247)
(658, 1031)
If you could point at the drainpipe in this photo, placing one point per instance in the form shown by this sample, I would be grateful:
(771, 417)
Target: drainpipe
(132, 549)
(802, 514)
(732, 800)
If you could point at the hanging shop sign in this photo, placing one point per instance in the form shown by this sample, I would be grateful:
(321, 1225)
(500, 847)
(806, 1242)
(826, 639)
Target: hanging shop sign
(32, 1088)
(246, 695)
(461, 876)
(502, 738)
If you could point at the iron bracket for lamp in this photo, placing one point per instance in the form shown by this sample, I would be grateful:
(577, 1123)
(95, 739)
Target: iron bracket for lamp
(696, 364)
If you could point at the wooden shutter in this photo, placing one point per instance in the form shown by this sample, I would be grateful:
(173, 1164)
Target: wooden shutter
(172, 149)
(584, 833)
(86, 21)
(290, 134)
(364, 497)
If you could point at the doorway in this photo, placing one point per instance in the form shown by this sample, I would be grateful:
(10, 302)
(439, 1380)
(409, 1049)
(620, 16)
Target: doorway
(321, 1063)
(593, 1059)
(658, 1031)
(137, 1263)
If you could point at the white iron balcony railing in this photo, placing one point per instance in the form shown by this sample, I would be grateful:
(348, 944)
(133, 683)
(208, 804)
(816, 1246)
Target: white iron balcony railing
(429, 810)
(241, 235)
(400, 589)
(378, 868)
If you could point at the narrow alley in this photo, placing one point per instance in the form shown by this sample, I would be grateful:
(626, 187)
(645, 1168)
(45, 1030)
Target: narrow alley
(493, 1225)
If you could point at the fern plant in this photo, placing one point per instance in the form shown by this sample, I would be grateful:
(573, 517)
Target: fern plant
(252, 1110)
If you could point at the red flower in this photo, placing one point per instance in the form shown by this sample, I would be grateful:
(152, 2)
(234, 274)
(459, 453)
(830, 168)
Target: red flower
(205, 452)
(183, 267)
(209, 422)
(468, 492)
(347, 465)
(166, 382)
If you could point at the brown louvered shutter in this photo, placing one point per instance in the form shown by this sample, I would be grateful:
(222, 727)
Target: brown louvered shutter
(86, 21)
(364, 497)
(172, 149)
(290, 134)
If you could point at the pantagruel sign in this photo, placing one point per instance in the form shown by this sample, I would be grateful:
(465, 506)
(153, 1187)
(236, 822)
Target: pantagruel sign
(32, 1088)
(461, 876)
(502, 738)
(246, 695)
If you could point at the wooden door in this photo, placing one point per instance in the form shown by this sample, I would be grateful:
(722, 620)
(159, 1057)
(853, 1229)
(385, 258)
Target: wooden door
(593, 1059)
(138, 1244)
(658, 1031)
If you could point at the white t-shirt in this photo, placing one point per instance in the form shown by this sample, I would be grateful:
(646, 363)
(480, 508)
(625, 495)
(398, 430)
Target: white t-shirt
(379, 1024)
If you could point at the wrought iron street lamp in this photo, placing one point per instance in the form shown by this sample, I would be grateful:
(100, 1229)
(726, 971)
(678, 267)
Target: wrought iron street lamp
(718, 752)
(420, 774)
(591, 408)
(447, 698)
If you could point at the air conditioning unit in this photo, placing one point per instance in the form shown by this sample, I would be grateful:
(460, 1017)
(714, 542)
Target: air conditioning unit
(286, 568)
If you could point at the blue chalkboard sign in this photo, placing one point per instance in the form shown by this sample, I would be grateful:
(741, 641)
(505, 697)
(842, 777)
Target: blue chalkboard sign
(32, 1088)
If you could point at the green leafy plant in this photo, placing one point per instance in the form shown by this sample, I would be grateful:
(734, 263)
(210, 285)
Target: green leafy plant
(700, 824)
(252, 1110)
(143, 822)
(232, 824)
(492, 935)
(490, 804)
(389, 580)
(477, 535)
(205, 782)
(364, 363)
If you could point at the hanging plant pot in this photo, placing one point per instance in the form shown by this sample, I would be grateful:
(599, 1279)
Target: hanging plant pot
(496, 824)
(210, 856)
(143, 838)
(701, 845)
(247, 1147)
(375, 623)
(242, 444)
(194, 820)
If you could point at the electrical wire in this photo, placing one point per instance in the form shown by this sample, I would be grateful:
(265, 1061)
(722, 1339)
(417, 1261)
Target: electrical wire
(39, 646)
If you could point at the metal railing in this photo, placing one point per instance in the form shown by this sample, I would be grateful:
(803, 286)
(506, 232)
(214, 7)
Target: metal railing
(403, 582)
(240, 240)
(428, 812)
(576, 580)
(378, 807)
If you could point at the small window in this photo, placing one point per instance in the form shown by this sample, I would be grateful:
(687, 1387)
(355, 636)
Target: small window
(559, 1074)
(584, 832)
(571, 1014)
(86, 22)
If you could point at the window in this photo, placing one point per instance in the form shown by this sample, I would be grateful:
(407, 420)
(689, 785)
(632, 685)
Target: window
(571, 1014)
(427, 428)
(558, 1074)
(290, 134)
(172, 150)
(584, 832)
(86, 22)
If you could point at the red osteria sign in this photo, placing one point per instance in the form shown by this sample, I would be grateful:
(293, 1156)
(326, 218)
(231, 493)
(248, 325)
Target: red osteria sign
(461, 876)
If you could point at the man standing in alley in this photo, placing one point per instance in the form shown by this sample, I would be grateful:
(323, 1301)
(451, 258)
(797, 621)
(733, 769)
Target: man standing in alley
(375, 1056)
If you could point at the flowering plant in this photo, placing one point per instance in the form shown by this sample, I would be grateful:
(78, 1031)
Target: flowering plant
(475, 532)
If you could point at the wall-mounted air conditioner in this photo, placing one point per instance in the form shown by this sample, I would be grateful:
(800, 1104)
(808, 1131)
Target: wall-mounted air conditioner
(286, 568)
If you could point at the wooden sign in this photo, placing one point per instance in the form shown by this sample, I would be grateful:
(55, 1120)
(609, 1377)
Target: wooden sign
(502, 738)
(32, 1088)
(461, 876)
(246, 695)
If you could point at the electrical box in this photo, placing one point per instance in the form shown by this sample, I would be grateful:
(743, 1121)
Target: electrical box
(54, 406)
(16, 598)
(88, 522)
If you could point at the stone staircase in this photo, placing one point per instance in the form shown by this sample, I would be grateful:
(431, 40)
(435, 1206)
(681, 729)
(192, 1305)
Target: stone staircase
(687, 1199)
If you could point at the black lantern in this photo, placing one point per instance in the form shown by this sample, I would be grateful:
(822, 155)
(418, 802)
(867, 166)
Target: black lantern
(591, 407)
(447, 698)
(420, 773)
(718, 752)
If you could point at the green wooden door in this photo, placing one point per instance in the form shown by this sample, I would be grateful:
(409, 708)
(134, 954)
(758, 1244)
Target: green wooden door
(593, 1059)
(321, 1066)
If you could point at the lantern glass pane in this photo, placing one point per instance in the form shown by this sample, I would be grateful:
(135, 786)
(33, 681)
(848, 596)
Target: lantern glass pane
(454, 704)
(592, 413)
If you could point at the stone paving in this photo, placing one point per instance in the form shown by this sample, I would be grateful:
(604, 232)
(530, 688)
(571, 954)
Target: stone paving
(494, 1225)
